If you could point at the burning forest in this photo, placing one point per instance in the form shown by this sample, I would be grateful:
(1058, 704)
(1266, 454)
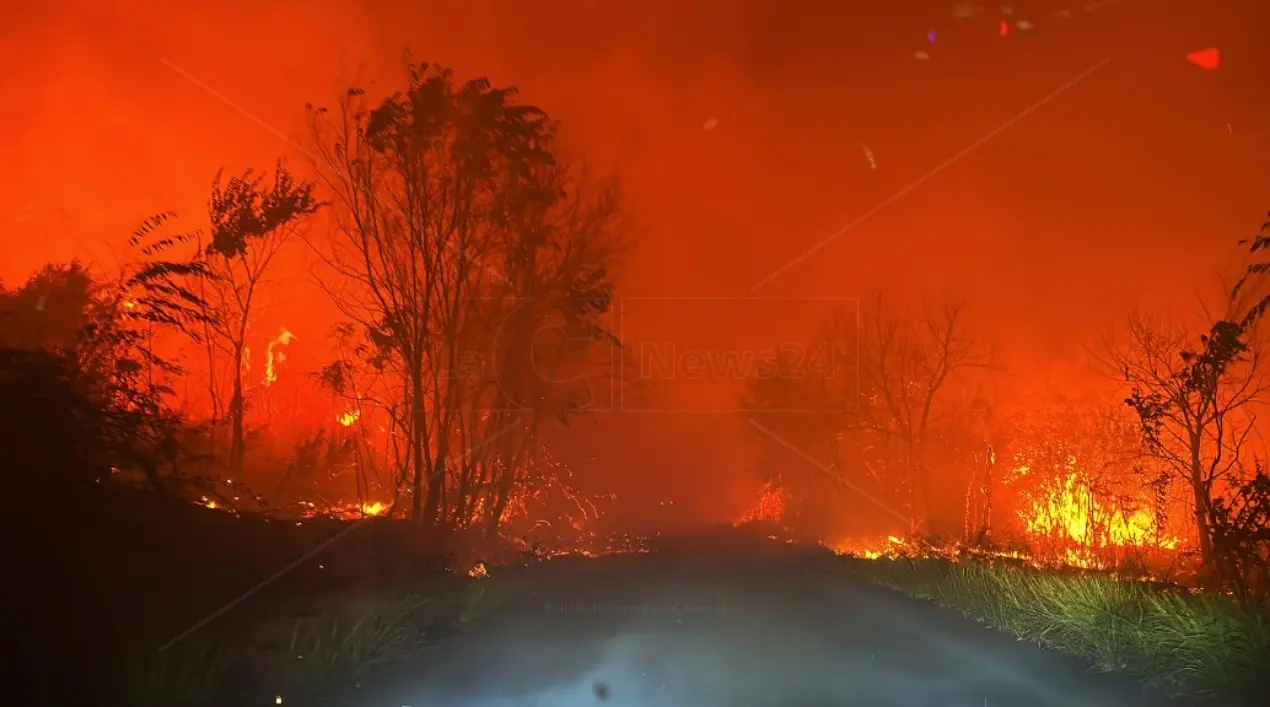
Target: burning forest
(460, 383)
(1136, 485)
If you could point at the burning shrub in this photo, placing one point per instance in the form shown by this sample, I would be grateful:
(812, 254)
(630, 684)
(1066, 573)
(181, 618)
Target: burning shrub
(1080, 496)
(769, 509)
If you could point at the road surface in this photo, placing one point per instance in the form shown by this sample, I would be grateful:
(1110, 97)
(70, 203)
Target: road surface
(711, 623)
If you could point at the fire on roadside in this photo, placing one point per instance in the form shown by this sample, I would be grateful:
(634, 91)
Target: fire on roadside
(1060, 523)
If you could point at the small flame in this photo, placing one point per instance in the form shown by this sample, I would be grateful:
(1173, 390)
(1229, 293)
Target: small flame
(770, 506)
(870, 551)
(349, 511)
(274, 357)
(348, 418)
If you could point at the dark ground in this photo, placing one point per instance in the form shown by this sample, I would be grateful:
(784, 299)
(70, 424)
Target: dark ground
(724, 618)
(710, 623)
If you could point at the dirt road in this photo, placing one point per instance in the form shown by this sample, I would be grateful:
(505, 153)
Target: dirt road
(706, 624)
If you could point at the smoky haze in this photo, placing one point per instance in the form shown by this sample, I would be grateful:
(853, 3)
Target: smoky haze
(1131, 186)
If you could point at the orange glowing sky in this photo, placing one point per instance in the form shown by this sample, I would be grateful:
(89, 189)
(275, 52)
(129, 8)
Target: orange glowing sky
(1131, 187)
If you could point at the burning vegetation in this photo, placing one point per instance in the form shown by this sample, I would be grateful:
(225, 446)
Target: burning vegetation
(455, 235)
(457, 238)
(1137, 484)
(444, 395)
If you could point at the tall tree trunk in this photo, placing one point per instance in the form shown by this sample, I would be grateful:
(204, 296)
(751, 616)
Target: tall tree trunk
(987, 495)
(418, 434)
(236, 407)
(448, 408)
(1199, 494)
(919, 501)
(502, 496)
(436, 491)
(517, 452)
(1203, 527)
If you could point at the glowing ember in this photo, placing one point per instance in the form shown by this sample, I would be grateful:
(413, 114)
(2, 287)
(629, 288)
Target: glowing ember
(769, 508)
(478, 571)
(355, 510)
(892, 547)
(345, 511)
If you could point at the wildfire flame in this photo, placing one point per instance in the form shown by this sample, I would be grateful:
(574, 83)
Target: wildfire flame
(273, 357)
(348, 418)
(1070, 512)
(348, 511)
(869, 550)
(1062, 519)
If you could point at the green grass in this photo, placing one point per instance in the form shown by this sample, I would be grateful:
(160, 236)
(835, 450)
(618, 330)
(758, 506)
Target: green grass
(484, 597)
(319, 647)
(349, 642)
(1175, 641)
(190, 673)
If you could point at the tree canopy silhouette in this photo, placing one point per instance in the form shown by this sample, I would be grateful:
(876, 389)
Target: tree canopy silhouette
(462, 239)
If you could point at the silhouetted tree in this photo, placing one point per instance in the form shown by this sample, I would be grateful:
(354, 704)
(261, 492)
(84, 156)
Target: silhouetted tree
(545, 322)
(874, 431)
(800, 406)
(907, 359)
(1194, 404)
(85, 395)
(1241, 536)
(1255, 274)
(460, 238)
(250, 224)
(49, 310)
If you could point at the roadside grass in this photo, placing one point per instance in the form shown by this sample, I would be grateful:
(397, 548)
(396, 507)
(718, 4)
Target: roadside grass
(190, 673)
(1178, 642)
(311, 649)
